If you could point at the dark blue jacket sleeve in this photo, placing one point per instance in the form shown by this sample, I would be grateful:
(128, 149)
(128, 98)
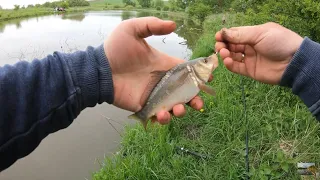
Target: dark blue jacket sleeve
(43, 96)
(303, 75)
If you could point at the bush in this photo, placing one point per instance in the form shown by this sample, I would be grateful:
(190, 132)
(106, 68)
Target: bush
(16, 7)
(139, 6)
(73, 3)
(64, 4)
(173, 8)
(116, 6)
(145, 3)
(199, 10)
(159, 3)
(243, 5)
(129, 2)
(299, 16)
(158, 8)
(165, 8)
(129, 7)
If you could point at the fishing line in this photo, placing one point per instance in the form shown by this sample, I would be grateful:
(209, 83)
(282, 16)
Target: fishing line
(246, 122)
(109, 119)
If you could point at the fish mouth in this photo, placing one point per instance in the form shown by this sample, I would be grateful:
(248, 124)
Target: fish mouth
(214, 59)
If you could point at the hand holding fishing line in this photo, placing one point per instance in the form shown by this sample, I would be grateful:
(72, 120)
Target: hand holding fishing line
(132, 59)
(267, 49)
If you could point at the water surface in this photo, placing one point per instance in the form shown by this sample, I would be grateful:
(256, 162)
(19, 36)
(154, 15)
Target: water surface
(72, 153)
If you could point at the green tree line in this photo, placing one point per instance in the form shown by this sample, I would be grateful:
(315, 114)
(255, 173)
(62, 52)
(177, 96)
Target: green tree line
(302, 16)
(62, 3)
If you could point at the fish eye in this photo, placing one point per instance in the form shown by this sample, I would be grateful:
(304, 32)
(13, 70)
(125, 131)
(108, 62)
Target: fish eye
(205, 60)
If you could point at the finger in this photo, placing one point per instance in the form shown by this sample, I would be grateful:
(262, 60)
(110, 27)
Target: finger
(218, 36)
(196, 103)
(236, 56)
(163, 117)
(147, 26)
(179, 110)
(237, 48)
(235, 66)
(242, 35)
(224, 53)
(219, 45)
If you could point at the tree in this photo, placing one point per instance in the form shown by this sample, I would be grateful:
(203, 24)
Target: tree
(46, 4)
(243, 5)
(158, 3)
(172, 5)
(129, 2)
(145, 3)
(74, 3)
(30, 6)
(300, 16)
(199, 10)
(16, 7)
(182, 3)
(63, 4)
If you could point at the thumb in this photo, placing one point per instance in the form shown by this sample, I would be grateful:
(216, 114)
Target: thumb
(147, 26)
(242, 35)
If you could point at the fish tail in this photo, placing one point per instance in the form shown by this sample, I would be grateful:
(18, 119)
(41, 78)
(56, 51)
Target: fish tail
(144, 123)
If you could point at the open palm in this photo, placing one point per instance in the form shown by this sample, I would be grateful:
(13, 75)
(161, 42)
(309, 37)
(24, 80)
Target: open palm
(132, 60)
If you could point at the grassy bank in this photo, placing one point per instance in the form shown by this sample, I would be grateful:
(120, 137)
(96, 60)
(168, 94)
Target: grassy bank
(22, 13)
(281, 129)
(99, 5)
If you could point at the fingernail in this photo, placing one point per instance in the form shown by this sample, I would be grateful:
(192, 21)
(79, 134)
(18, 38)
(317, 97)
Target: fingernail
(226, 32)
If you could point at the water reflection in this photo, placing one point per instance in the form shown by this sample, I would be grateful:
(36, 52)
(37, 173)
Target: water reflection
(15, 22)
(186, 28)
(75, 17)
(127, 15)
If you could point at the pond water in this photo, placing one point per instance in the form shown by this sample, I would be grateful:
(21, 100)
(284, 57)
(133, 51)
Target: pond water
(73, 153)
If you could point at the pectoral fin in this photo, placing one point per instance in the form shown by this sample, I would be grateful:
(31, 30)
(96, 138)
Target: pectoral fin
(207, 89)
(144, 122)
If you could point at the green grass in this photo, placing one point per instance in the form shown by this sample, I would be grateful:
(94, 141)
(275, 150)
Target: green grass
(281, 129)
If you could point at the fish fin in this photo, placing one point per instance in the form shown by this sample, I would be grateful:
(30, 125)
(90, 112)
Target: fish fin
(155, 78)
(207, 89)
(144, 123)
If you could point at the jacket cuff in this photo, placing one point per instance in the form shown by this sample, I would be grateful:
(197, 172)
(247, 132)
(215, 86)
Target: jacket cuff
(303, 74)
(92, 76)
(104, 76)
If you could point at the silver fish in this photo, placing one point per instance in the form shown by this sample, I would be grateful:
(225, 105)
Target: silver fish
(177, 86)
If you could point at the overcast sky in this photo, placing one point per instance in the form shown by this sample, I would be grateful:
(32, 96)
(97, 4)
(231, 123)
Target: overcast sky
(10, 3)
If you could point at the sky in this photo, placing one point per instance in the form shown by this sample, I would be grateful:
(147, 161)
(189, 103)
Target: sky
(8, 4)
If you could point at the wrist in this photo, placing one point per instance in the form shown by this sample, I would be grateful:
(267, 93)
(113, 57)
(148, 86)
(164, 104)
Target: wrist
(302, 73)
(106, 86)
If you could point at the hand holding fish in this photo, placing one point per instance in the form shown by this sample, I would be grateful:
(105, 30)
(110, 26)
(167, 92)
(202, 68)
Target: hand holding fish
(261, 52)
(132, 60)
